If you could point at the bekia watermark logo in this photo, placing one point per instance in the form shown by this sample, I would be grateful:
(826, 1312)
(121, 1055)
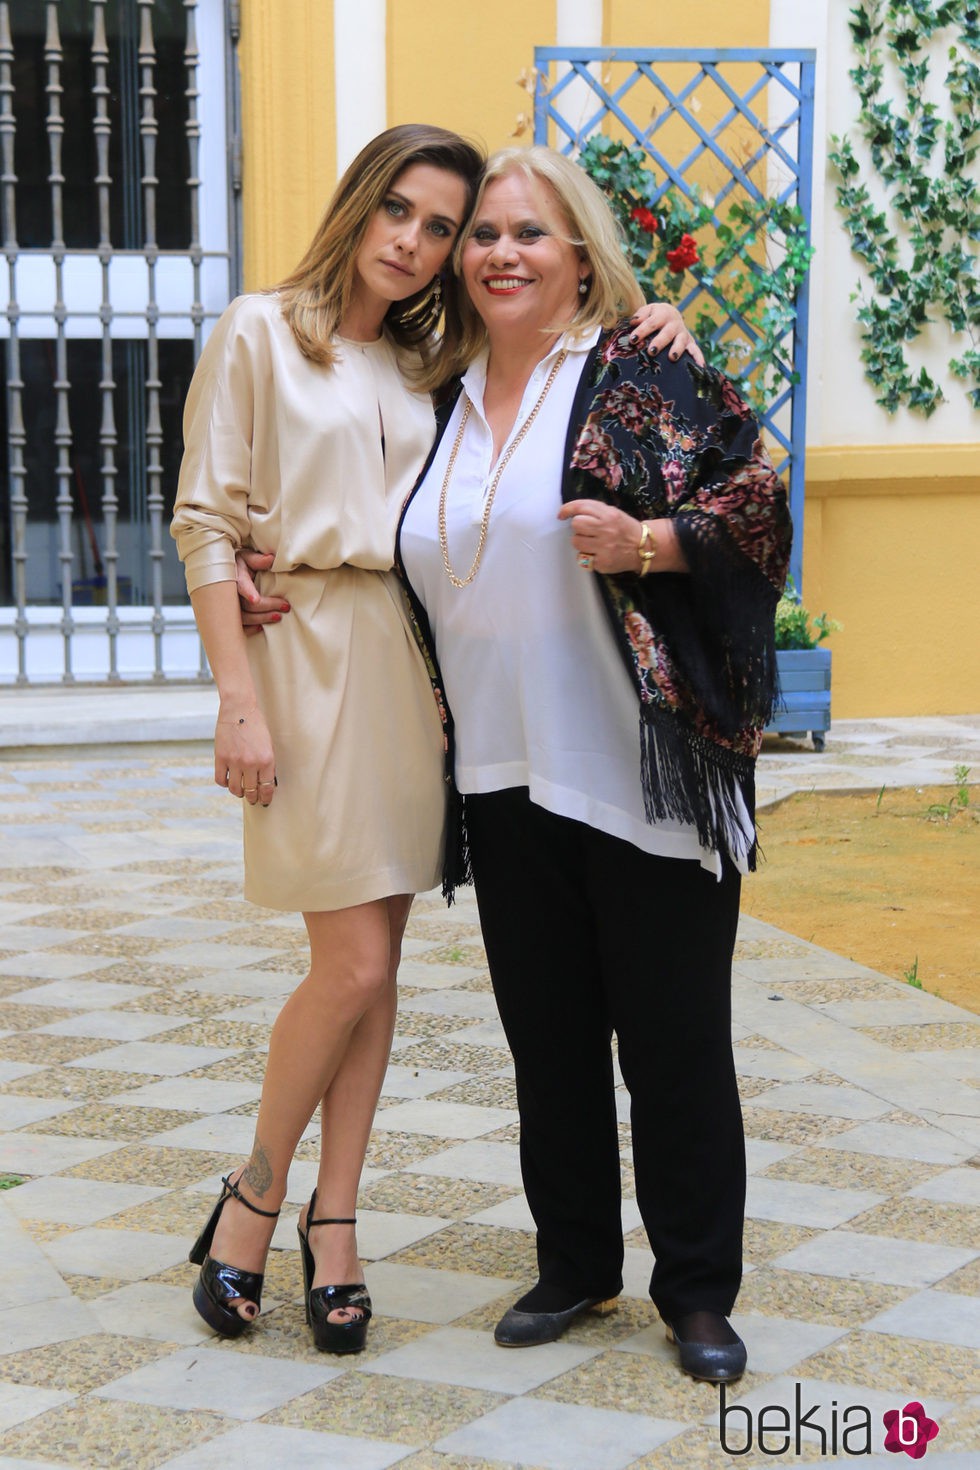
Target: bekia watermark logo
(776, 1429)
(909, 1429)
(779, 1429)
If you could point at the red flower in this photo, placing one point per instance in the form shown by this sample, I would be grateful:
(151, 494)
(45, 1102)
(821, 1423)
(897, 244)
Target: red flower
(685, 254)
(645, 218)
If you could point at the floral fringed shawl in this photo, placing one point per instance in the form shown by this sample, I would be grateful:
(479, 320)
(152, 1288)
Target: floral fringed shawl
(662, 439)
(657, 438)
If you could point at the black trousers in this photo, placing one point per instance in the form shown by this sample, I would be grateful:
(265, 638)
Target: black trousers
(586, 936)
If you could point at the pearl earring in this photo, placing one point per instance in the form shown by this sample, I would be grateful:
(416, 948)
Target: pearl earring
(583, 287)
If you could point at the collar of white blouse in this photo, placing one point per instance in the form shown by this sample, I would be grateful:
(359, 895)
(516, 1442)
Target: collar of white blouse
(475, 378)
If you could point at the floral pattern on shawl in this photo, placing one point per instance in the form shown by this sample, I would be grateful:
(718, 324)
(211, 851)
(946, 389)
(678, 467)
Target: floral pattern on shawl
(660, 684)
(678, 442)
(655, 672)
(751, 517)
(639, 413)
(595, 453)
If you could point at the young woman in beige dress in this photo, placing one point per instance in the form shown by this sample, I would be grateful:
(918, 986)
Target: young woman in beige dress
(306, 424)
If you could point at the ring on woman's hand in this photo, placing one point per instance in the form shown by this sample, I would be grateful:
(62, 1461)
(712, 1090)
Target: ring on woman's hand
(585, 561)
(273, 782)
(250, 790)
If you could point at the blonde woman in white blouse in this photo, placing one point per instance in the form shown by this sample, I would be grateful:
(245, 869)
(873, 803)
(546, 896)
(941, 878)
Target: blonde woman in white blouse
(307, 422)
(596, 551)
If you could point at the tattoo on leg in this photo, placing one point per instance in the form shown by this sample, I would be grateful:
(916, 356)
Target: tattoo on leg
(258, 1171)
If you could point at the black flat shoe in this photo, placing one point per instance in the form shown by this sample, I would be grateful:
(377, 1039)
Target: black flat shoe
(332, 1337)
(219, 1284)
(530, 1329)
(719, 1359)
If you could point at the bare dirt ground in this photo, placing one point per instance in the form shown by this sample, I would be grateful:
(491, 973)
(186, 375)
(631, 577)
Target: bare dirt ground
(891, 883)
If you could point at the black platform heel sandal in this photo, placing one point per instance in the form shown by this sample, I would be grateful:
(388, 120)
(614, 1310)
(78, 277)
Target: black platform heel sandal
(332, 1337)
(218, 1284)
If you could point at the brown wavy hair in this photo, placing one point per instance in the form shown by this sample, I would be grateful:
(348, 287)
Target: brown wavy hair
(317, 293)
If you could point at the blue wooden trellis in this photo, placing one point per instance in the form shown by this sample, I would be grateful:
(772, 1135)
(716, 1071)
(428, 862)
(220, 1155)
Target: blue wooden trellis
(766, 103)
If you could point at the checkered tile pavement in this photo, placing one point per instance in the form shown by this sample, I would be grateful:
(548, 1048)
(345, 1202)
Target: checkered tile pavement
(136, 993)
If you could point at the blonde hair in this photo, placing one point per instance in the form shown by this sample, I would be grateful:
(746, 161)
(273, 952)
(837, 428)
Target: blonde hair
(612, 289)
(315, 296)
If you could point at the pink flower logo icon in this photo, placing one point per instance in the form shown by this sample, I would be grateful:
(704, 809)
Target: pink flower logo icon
(909, 1429)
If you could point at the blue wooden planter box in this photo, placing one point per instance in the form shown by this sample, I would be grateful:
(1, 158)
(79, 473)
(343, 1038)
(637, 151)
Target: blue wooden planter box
(804, 694)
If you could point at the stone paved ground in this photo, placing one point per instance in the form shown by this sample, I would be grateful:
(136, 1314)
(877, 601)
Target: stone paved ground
(136, 992)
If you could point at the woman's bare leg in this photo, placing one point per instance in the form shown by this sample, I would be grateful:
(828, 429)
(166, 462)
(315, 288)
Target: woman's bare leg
(349, 974)
(346, 1117)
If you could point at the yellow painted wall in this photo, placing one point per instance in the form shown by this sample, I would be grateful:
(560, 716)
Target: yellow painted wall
(458, 65)
(694, 23)
(890, 551)
(286, 58)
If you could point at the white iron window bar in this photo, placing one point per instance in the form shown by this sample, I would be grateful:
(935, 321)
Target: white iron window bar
(118, 224)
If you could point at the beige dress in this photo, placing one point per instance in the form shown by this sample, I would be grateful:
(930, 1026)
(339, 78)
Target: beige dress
(314, 463)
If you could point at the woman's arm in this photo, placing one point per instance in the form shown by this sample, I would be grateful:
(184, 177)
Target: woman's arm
(210, 524)
(243, 755)
(612, 538)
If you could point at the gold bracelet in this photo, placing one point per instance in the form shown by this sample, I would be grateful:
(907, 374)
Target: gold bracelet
(646, 557)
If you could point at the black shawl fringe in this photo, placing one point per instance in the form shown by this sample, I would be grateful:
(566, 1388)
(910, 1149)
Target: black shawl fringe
(457, 868)
(720, 627)
(687, 778)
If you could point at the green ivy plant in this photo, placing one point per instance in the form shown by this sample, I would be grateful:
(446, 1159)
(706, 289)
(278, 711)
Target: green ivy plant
(920, 252)
(670, 233)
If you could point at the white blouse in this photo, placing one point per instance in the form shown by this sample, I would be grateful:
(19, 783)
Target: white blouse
(539, 692)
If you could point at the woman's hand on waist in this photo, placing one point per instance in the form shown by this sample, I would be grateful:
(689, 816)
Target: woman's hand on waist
(256, 609)
(244, 760)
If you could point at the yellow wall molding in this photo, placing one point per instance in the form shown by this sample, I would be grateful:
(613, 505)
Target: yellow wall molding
(905, 469)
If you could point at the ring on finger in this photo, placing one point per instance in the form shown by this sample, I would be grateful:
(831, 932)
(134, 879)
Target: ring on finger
(585, 561)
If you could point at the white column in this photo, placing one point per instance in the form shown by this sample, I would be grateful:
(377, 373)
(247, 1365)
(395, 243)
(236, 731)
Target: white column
(792, 25)
(577, 23)
(360, 74)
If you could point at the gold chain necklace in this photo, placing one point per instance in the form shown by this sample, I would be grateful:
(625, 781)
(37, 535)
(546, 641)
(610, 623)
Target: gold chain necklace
(501, 466)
